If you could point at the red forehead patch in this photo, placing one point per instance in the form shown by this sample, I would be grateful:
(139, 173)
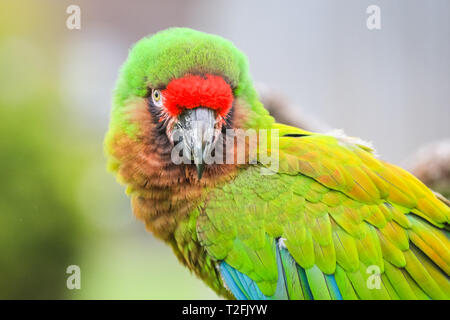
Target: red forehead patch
(193, 91)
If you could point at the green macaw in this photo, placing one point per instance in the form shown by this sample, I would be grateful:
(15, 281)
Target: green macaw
(332, 221)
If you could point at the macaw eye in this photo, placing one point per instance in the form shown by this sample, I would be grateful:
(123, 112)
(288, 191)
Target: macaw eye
(157, 97)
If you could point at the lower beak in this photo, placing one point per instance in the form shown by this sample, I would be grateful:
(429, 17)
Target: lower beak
(198, 131)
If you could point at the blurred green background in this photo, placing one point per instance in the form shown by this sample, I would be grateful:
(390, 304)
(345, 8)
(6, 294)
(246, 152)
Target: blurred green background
(59, 206)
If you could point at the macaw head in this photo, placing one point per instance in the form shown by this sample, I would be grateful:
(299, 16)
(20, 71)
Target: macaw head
(178, 86)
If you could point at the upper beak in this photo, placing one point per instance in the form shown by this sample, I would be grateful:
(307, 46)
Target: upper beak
(198, 132)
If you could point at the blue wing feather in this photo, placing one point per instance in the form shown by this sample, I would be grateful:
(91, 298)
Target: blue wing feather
(289, 274)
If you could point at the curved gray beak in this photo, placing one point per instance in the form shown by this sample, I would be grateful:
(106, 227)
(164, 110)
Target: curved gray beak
(198, 132)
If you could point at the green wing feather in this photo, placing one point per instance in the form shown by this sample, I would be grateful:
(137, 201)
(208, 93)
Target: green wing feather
(339, 211)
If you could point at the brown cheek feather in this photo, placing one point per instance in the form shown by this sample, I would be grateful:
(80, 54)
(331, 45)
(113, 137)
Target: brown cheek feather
(161, 192)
